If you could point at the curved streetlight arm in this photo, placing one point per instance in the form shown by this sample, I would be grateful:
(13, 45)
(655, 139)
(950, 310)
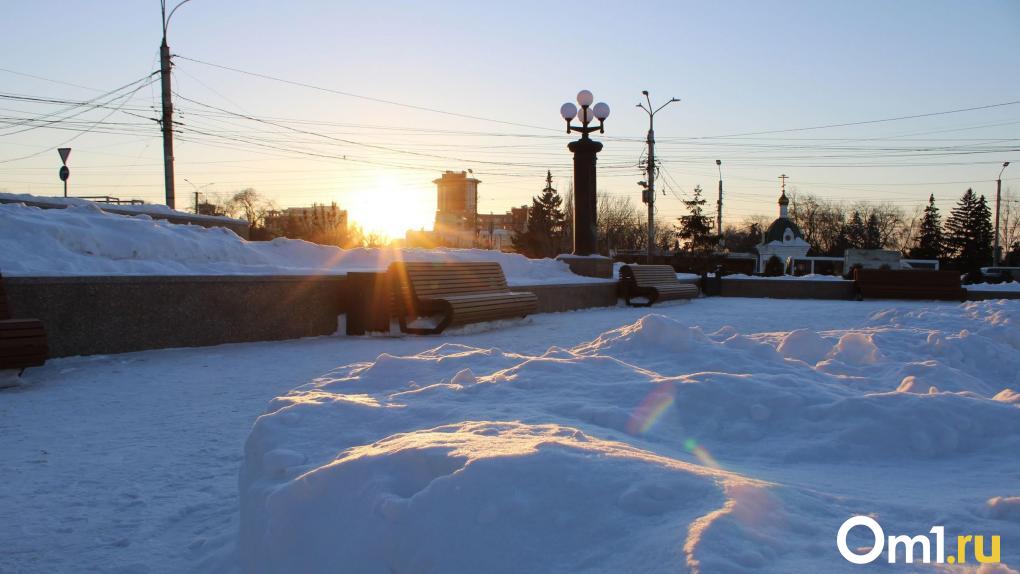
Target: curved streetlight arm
(668, 103)
(648, 110)
(167, 17)
(1004, 166)
(198, 188)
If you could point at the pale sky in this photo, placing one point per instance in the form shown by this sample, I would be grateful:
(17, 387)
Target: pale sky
(739, 68)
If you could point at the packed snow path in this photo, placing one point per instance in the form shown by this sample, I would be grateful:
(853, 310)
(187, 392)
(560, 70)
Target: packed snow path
(130, 463)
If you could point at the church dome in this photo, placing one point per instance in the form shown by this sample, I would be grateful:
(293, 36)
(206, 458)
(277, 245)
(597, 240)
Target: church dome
(777, 231)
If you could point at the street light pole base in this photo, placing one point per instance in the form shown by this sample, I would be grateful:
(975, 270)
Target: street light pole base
(589, 265)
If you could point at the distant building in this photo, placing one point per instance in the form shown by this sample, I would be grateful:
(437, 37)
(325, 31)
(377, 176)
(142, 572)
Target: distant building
(325, 224)
(515, 220)
(458, 223)
(783, 238)
(496, 230)
(456, 209)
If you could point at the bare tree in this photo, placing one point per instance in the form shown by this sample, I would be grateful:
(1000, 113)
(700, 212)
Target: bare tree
(746, 235)
(617, 222)
(890, 222)
(249, 205)
(1009, 221)
(824, 222)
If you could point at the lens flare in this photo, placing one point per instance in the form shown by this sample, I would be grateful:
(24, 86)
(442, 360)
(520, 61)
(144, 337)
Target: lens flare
(692, 446)
(650, 410)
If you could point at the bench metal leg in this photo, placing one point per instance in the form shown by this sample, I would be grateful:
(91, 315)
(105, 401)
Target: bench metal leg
(439, 328)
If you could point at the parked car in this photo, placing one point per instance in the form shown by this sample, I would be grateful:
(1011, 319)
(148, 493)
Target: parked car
(1000, 274)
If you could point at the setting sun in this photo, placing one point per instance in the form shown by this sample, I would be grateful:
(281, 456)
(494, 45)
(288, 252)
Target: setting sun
(391, 207)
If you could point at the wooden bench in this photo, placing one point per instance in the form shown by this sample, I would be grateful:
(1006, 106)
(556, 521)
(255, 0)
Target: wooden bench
(456, 293)
(22, 341)
(908, 284)
(654, 283)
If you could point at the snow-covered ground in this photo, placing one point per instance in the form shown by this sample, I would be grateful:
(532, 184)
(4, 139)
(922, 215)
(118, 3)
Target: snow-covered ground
(1012, 286)
(83, 240)
(714, 436)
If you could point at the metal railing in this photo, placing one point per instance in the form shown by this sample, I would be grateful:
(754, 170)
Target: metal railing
(111, 200)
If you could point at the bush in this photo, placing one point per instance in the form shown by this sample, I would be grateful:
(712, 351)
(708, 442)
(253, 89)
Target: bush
(773, 267)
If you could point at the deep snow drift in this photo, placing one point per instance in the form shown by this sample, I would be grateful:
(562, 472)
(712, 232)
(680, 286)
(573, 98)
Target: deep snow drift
(654, 447)
(145, 208)
(83, 240)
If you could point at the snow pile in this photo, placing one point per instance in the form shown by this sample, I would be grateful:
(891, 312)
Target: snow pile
(84, 240)
(805, 277)
(654, 447)
(146, 208)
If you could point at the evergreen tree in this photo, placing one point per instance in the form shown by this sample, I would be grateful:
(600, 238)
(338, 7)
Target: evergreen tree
(930, 244)
(969, 232)
(872, 234)
(984, 232)
(545, 224)
(695, 230)
(855, 232)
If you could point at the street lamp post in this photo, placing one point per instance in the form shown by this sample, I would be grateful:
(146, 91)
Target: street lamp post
(997, 250)
(651, 167)
(167, 119)
(718, 216)
(585, 151)
(198, 189)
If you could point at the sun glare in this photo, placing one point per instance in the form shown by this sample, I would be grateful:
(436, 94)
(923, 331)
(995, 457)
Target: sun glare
(390, 208)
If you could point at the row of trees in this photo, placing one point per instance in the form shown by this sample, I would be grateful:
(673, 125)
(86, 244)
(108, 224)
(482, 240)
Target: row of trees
(964, 240)
(830, 227)
(966, 237)
(620, 225)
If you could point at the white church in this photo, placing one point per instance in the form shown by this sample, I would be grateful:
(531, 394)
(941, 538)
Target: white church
(782, 238)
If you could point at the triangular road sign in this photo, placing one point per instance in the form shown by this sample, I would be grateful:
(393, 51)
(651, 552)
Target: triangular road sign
(64, 152)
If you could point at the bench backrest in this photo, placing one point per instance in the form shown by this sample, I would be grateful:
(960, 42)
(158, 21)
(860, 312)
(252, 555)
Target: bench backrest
(643, 275)
(915, 278)
(429, 280)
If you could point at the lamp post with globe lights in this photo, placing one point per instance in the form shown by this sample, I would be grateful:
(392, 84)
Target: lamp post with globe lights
(585, 151)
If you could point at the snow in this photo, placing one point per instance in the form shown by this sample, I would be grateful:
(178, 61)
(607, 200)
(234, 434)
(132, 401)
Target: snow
(84, 240)
(463, 456)
(807, 277)
(146, 209)
(709, 436)
(1012, 286)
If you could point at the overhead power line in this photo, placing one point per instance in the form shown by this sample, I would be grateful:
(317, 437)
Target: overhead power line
(363, 97)
(866, 122)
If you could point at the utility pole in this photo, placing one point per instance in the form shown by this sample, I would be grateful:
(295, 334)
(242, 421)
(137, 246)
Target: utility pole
(167, 121)
(718, 217)
(996, 250)
(650, 193)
